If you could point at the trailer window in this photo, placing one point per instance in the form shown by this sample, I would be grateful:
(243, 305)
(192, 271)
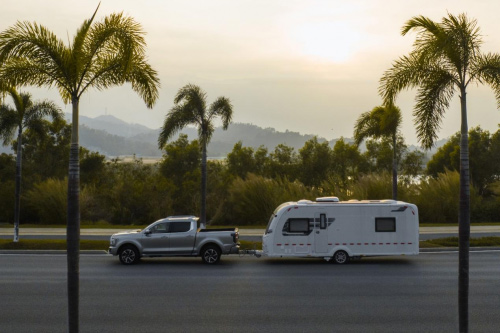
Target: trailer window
(294, 227)
(385, 224)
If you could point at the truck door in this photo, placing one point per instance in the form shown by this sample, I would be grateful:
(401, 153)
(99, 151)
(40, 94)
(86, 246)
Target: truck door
(182, 235)
(158, 240)
(320, 233)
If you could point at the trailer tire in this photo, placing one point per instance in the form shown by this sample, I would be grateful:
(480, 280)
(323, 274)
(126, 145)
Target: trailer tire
(341, 257)
(128, 255)
(210, 254)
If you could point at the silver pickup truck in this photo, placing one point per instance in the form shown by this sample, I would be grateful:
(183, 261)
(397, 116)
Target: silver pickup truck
(174, 236)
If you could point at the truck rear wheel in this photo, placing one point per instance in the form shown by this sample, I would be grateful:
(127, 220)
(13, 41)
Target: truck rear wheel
(341, 257)
(128, 255)
(210, 254)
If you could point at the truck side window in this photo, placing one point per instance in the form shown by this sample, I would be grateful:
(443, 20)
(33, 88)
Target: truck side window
(180, 226)
(160, 228)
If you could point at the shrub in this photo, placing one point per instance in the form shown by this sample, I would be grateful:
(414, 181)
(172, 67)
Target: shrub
(251, 201)
(49, 199)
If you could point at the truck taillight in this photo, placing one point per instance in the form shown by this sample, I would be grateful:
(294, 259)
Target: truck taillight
(236, 236)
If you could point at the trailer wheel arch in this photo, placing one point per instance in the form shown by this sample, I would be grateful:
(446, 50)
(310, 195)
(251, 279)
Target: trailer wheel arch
(341, 257)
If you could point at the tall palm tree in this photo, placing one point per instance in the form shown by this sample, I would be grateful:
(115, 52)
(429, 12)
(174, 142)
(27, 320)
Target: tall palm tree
(102, 54)
(382, 121)
(191, 108)
(445, 59)
(26, 114)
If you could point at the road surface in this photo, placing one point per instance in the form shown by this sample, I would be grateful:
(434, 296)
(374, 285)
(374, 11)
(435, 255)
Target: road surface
(393, 294)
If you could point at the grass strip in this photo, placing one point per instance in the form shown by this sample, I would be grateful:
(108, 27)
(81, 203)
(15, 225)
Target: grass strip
(453, 242)
(51, 244)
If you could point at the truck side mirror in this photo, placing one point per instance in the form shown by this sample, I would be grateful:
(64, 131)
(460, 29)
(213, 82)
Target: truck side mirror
(147, 232)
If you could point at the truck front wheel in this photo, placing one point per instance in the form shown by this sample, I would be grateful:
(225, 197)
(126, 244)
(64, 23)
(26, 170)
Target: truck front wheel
(210, 254)
(341, 257)
(128, 255)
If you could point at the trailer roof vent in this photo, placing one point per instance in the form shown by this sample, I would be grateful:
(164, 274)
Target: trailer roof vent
(327, 199)
(304, 201)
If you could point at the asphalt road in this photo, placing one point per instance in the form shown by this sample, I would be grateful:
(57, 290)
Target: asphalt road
(393, 294)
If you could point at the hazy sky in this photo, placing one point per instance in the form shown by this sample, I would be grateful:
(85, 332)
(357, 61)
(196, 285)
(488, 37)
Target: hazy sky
(306, 66)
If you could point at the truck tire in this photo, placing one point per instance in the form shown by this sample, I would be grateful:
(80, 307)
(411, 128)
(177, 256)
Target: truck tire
(210, 254)
(128, 255)
(341, 257)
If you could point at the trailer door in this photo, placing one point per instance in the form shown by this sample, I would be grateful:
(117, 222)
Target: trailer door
(320, 233)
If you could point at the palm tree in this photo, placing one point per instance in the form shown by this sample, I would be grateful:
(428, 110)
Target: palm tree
(101, 54)
(26, 115)
(382, 121)
(445, 59)
(191, 108)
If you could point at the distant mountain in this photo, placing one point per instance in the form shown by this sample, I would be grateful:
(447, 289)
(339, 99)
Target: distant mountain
(112, 125)
(112, 137)
(250, 135)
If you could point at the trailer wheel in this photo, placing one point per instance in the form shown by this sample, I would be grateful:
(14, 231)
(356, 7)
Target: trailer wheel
(210, 254)
(128, 255)
(341, 257)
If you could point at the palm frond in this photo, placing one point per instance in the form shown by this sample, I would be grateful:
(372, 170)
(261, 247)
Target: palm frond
(194, 96)
(390, 120)
(420, 23)
(22, 71)
(9, 122)
(487, 70)
(433, 99)
(36, 44)
(145, 82)
(177, 118)
(405, 73)
(222, 108)
(366, 126)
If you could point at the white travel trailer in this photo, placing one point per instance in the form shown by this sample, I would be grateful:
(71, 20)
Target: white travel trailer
(339, 230)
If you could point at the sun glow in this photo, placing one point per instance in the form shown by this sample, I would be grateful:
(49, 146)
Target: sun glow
(331, 41)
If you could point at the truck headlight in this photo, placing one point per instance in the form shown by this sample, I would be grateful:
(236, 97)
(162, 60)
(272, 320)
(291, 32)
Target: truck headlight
(112, 242)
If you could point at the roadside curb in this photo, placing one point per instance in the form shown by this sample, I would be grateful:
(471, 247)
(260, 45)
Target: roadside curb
(100, 252)
(60, 252)
(471, 249)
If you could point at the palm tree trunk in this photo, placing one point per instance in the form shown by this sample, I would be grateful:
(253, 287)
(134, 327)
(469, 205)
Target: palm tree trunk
(73, 226)
(394, 169)
(203, 185)
(17, 204)
(464, 222)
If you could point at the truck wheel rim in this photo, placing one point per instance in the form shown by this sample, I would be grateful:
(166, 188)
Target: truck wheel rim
(211, 256)
(128, 256)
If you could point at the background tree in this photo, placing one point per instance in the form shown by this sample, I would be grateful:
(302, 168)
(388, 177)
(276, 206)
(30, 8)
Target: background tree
(25, 114)
(180, 166)
(191, 108)
(445, 59)
(283, 162)
(483, 158)
(102, 54)
(347, 165)
(382, 121)
(315, 161)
